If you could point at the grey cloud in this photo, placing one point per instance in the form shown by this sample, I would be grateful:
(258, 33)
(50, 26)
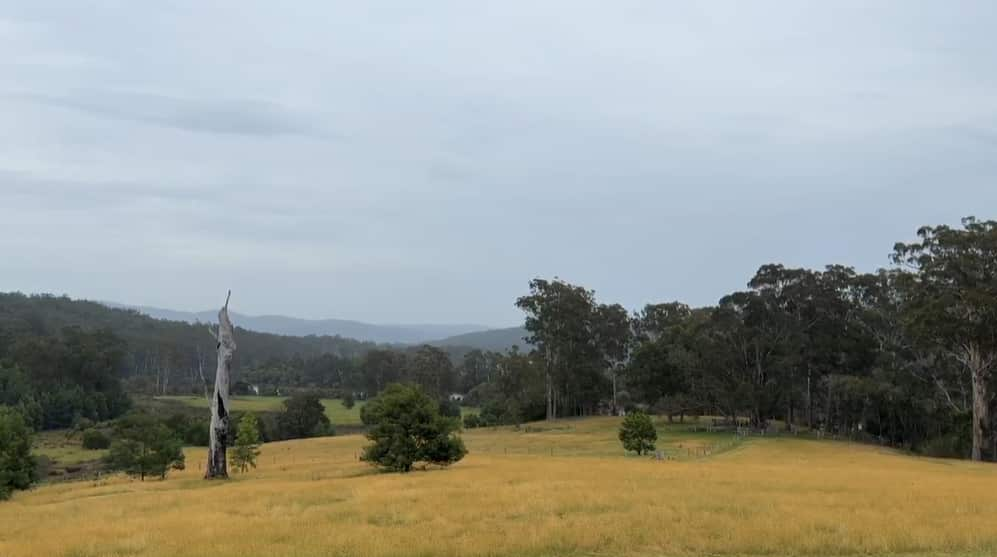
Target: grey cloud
(242, 117)
(422, 164)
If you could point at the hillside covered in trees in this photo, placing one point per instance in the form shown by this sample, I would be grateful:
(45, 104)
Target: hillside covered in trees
(66, 357)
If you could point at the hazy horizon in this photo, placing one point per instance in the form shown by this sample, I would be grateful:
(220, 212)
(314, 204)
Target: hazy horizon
(412, 164)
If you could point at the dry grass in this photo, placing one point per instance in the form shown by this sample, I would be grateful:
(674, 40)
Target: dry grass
(312, 498)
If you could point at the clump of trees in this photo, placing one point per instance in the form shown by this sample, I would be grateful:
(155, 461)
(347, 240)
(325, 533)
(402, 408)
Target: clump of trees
(303, 416)
(637, 433)
(247, 443)
(17, 467)
(56, 379)
(405, 428)
(144, 446)
(904, 356)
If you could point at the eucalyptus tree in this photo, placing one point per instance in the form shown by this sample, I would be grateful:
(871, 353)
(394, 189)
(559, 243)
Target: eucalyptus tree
(954, 305)
(659, 369)
(559, 318)
(431, 368)
(613, 335)
(380, 368)
(476, 367)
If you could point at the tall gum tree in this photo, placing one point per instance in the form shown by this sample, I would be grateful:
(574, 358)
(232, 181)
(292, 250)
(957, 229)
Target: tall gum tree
(954, 305)
(559, 318)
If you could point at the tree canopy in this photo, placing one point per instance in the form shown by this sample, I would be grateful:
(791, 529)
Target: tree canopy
(405, 427)
(17, 467)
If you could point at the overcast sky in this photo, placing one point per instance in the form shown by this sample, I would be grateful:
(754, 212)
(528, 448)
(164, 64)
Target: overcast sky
(422, 161)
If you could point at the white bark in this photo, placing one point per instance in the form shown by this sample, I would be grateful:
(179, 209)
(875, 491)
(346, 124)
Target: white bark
(217, 465)
(979, 365)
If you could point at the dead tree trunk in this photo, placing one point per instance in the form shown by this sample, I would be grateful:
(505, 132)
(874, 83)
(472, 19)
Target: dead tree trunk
(217, 466)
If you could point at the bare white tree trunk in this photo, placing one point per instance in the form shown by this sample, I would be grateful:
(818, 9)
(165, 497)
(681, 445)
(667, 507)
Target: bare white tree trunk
(200, 371)
(979, 365)
(217, 466)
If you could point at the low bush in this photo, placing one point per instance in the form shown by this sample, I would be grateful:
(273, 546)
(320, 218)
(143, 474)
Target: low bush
(94, 439)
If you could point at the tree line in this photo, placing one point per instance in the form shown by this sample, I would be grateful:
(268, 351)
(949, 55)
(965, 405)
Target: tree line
(903, 356)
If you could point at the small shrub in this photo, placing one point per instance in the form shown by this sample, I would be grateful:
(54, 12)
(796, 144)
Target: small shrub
(94, 439)
(82, 424)
(247, 444)
(348, 400)
(946, 446)
(472, 421)
(637, 433)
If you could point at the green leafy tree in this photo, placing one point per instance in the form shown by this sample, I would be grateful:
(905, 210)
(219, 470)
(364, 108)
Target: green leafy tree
(406, 427)
(613, 336)
(303, 416)
(561, 319)
(247, 443)
(381, 367)
(431, 368)
(477, 367)
(17, 467)
(348, 400)
(954, 305)
(637, 433)
(144, 446)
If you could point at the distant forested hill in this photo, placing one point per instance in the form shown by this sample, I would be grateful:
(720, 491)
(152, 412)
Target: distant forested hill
(495, 340)
(167, 355)
(283, 325)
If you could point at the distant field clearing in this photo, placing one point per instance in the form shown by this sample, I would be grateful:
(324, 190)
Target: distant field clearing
(334, 409)
(510, 497)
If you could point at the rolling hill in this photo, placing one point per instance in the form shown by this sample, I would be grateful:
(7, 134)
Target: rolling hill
(497, 340)
(293, 326)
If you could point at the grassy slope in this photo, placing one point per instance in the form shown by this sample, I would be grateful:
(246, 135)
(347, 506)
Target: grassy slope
(312, 498)
(334, 409)
(63, 449)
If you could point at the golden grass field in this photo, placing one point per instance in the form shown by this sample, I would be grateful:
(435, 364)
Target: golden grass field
(510, 497)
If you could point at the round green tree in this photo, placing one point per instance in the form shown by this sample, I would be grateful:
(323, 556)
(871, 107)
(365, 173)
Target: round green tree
(637, 433)
(406, 427)
(17, 467)
(144, 446)
(303, 416)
